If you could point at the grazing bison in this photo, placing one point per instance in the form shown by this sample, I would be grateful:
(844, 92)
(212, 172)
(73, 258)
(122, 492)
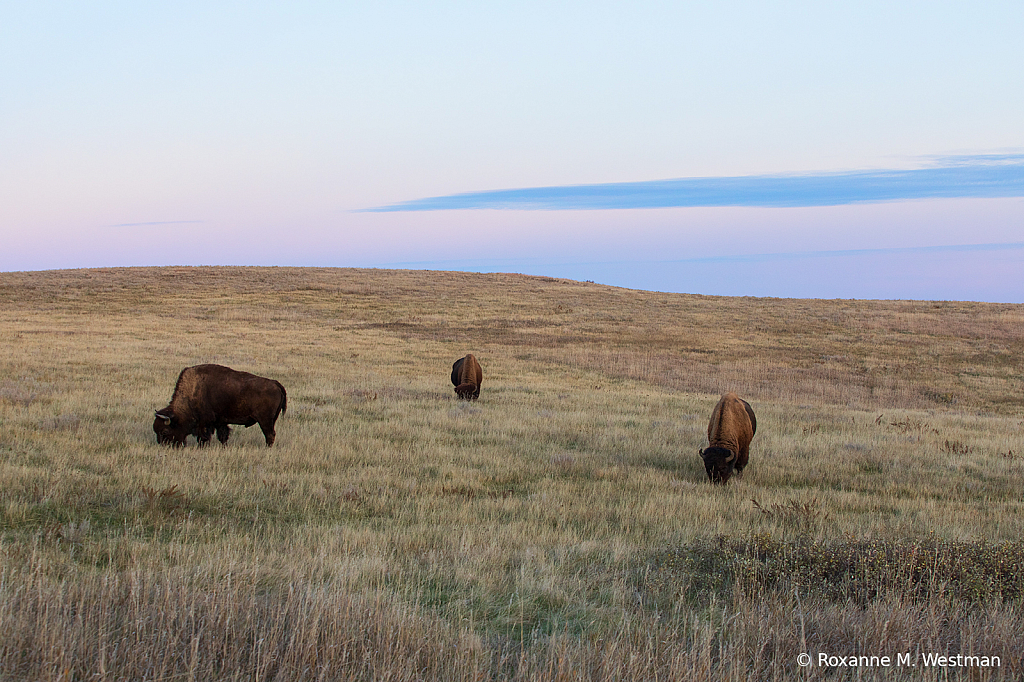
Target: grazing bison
(209, 397)
(467, 376)
(730, 431)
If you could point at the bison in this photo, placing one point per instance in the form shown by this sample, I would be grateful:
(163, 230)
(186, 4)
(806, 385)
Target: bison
(466, 377)
(209, 397)
(730, 431)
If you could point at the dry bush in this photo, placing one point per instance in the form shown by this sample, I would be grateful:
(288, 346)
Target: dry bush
(165, 501)
(804, 516)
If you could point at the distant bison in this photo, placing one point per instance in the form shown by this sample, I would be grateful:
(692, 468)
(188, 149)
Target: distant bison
(730, 431)
(209, 397)
(467, 377)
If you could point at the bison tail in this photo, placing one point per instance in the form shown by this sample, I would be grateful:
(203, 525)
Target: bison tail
(284, 398)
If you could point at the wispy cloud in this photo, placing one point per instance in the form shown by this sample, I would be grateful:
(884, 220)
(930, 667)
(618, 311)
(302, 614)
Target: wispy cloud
(966, 176)
(159, 222)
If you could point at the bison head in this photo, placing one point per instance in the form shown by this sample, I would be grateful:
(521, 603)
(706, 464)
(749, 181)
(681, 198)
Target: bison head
(169, 429)
(465, 391)
(719, 463)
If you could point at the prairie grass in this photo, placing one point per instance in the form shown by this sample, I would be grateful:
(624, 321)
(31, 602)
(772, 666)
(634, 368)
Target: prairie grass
(560, 528)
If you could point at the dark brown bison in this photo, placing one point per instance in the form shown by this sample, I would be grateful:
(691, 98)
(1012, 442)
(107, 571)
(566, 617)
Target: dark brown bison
(209, 397)
(730, 431)
(467, 376)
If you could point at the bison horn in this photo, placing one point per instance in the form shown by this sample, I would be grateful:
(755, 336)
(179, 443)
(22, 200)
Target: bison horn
(731, 457)
(167, 420)
(701, 453)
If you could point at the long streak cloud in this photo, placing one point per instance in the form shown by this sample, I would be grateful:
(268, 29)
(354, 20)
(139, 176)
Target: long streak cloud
(978, 176)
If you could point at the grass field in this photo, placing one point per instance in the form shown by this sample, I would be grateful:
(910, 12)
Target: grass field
(560, 528)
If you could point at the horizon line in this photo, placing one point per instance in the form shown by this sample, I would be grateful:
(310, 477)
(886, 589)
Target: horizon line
(753, 257)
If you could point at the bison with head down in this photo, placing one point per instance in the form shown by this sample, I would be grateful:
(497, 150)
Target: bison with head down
(467, 377)
(208, 398)
(730, 431)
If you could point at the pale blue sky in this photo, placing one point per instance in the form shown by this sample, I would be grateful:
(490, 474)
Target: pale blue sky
(258, 133)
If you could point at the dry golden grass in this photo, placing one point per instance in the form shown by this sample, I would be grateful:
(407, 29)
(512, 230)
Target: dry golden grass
(560, 528)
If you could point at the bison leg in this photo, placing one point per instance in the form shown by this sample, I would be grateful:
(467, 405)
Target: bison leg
(743, 458)
(268, 432)
(223, 433)
(203, 436)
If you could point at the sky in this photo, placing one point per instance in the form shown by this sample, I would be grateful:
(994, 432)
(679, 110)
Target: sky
(800, 149)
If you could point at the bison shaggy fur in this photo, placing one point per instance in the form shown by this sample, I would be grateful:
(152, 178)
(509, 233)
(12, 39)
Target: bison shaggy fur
(208, 398)
(730, 431)
(467, 377)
